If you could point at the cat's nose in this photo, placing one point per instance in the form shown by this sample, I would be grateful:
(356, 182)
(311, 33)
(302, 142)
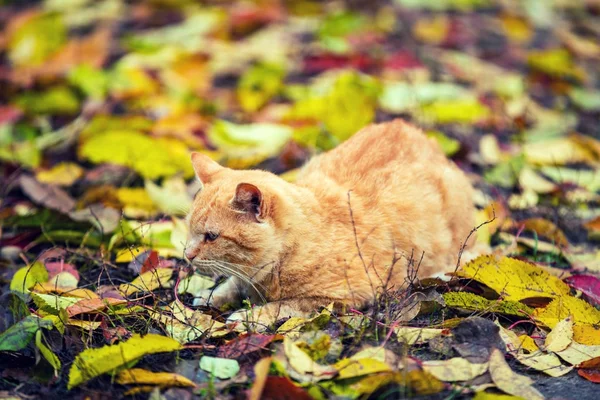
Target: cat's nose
(191, 253)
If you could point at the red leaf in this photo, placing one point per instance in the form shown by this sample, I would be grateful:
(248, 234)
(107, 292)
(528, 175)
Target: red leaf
(9, 114)
(245, 344)
(324, 62)
(281, 388)
(402, 60)
(588, 284)
(56, 267)
(592, 375)
(151, 263)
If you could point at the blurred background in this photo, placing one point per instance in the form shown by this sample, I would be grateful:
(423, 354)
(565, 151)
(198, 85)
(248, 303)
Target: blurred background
(105, 99)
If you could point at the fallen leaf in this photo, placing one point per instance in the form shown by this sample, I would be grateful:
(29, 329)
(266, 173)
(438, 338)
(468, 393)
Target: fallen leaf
(561, 336)
(91, 363)
(247, 145)
(555, 62)
(510, 382)
(454, 369)
(578, 353)
(86, 306)
(411, 336)
(139, 376)
(355, 367)
(565, 306)
(261, 375)
(246, 343)
(473, 302)
(19, 335)
(590, 370)
(152, 158)
(47, 195)
(586, 334)
(148, 281)
(221, 368)
(304, 365)
(514, 279)
(63, 174)
(27, 277)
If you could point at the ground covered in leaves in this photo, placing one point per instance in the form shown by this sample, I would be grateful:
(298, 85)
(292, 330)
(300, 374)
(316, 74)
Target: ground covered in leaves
(103, 100)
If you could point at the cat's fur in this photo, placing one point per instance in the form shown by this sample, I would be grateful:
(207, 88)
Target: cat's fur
(386, 193)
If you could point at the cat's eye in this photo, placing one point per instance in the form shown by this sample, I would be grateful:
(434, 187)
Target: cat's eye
(210, 236)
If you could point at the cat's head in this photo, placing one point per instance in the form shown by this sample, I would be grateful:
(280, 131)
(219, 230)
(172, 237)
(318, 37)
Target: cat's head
(233, 222)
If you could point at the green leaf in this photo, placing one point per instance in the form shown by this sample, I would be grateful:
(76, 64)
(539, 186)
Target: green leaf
(47, 353)
(555, 62)
(20, 334)
(398, 97)
(247, 145)
(587, 100)
(26, 277)
(463, 111)
(152, 158)
(258, 85)
(330, 100)
(473, 302)
(449, 146)
(37, 39)
(91, 363)
(91, 81)
(57, 100)
(506, 173)
(222, 368)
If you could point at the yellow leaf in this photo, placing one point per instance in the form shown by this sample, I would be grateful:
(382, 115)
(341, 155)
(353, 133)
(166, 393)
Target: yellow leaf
(432, 30)
(514, 279)
(561, 336)
(261, 373)
(63, 174)
(410, 335)
(559, 151)
(562, 307)
(510, 382)
(184, 324)
(304, 365)
(352, 368)
(586, 334)
(148, 281)
(577, 353)
(527, 343)
(136, 200)
(152, 158)
(516, 29)
(91, 363)
(49, 287)
(462, 111)
(547, 363)
(454, 369)
(555, 62)
(139, 376)
(494, 396)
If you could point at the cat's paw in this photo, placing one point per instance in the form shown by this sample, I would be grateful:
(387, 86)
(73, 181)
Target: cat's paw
(249, 320)
(207, 298)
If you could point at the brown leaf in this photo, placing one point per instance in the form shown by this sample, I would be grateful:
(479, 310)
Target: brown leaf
(47, 195)
(246, 343)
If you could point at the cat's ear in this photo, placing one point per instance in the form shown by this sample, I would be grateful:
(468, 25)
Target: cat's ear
(249, 199)
(204, 167)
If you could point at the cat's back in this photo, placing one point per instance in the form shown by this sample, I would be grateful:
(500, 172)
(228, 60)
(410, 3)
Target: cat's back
(374, 155)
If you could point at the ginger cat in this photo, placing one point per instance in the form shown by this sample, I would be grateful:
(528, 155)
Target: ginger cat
(387, 193)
